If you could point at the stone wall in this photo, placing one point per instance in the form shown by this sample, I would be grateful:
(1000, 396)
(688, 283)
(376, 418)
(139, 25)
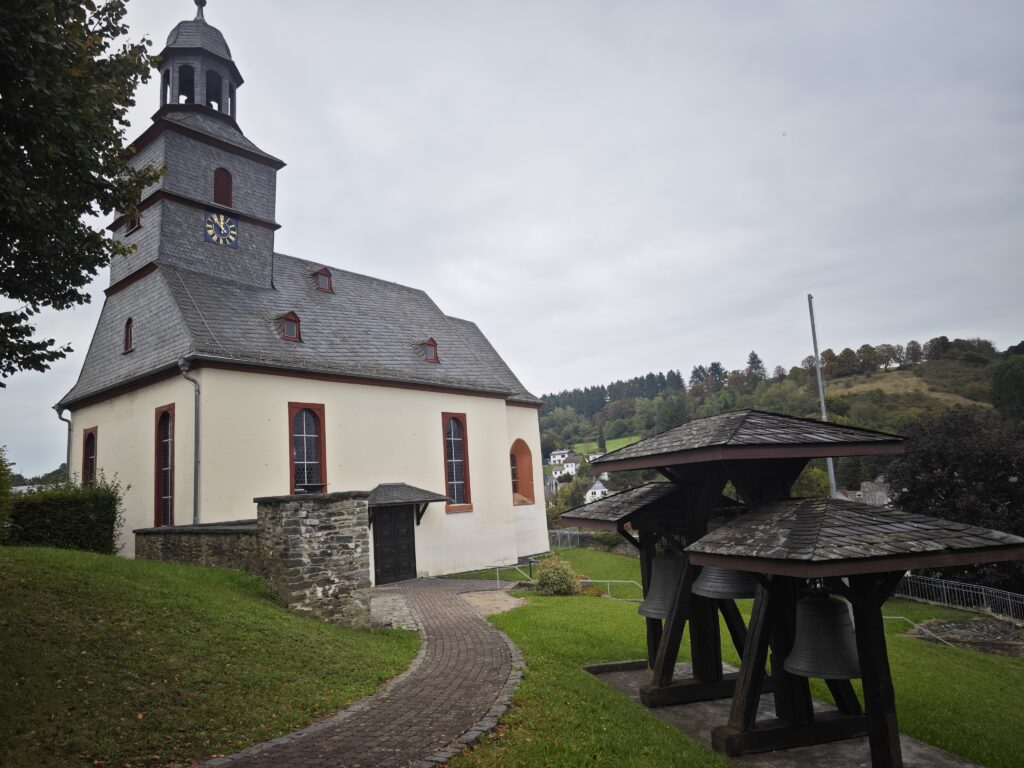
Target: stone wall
(316, 553)
(216, 545)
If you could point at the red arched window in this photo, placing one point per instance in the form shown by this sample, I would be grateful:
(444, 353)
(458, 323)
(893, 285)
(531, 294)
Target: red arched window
(308, 448)
(456, 462)
(222, 188)
(128, 327)
(89, 456)
(521, 461)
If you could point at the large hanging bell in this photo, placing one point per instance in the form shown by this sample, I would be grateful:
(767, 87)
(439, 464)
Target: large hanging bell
(825, 644)
(661, 593)
(724, 584)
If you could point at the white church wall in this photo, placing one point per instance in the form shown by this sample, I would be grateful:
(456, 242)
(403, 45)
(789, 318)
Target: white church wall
(374, 434)
(126, 450)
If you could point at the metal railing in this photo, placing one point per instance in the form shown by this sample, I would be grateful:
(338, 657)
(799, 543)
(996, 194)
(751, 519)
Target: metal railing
(562, 538)
(636, 594)
(959, 595)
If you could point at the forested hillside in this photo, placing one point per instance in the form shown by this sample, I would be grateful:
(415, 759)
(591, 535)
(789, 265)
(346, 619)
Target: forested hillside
(889, 387)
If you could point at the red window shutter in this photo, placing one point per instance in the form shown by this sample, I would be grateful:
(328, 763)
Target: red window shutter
(222, 192)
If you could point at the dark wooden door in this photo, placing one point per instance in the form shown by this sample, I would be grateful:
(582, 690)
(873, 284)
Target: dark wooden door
(394, 544)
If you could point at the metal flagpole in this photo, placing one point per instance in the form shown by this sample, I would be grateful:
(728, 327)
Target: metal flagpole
(821, 391)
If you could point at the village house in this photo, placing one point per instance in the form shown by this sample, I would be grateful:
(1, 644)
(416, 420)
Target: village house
(559, 456)
(595, 492)
(221, 370)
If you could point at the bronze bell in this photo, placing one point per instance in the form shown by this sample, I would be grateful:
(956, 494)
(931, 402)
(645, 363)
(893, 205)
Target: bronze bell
(825, 644)
(661, 593)
(724, 584)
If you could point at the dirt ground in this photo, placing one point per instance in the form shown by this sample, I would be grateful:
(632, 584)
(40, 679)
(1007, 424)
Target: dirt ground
(487, 603)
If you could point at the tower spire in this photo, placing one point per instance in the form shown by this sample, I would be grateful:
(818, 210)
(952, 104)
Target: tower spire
(200, 4)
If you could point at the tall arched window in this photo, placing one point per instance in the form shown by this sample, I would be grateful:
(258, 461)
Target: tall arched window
(164, 491)
(165, 91)
(456, 460)
(89, 456)
(521, 461)
(128, 333)
(308, 463)
(186, 85)
(223, 193)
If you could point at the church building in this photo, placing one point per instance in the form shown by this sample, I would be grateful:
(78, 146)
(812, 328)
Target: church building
(221, 370)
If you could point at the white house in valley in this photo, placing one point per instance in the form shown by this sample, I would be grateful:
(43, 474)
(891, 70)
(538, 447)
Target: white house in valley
(559, 456)
(221, 370)
(596, 491)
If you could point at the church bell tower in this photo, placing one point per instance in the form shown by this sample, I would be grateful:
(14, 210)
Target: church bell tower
(213, 209)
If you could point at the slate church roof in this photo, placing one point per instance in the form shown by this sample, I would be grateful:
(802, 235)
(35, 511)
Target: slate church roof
(366, 329)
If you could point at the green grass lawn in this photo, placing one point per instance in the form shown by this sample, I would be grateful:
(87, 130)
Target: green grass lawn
(613, 445)
(963, 701)
(107, 661)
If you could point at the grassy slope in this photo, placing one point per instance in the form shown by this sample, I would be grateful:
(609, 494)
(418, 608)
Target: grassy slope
(140, 663)
(963, 701)
(613, 445)
(897, 383)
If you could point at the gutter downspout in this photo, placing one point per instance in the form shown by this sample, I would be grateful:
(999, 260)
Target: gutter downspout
(60, 410)
(183, 366)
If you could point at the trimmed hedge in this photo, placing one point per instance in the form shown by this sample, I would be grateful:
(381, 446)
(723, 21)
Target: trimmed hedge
(557, 577)
(67, 517)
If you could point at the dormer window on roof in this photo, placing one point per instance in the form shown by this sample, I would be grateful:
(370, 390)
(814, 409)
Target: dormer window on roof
(323, 281)
(290, 327)
(428, 350)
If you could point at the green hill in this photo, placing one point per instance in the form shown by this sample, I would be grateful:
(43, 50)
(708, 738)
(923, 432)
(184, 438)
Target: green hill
(117, 662)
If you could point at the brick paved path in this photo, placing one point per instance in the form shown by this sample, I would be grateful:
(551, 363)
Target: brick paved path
(455, 689)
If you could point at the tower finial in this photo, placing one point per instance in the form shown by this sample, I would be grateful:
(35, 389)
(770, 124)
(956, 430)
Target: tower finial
(199, 13)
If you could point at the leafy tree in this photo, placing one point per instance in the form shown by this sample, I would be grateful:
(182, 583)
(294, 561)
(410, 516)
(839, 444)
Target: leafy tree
(698, 376)
(1016, 349)
(936, 349)
(829, 363)
(717, 377)
(915, 353)
(755, 367)
(813, 482)
(779, 373)
(67, 87)
(602, 444)
(961, 466)
(1008, 387)
(886, 355)
(6, 473)
(848, 362)
(671, 412)
(867, 359)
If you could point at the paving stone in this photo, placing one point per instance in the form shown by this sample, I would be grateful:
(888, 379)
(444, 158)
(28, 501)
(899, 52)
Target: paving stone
(447, 699)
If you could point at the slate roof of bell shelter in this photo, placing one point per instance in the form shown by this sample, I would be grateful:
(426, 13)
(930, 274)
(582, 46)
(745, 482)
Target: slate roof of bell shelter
(196, 33)
(617, 506)
(847, 536)
(367, 328)
(747, 428)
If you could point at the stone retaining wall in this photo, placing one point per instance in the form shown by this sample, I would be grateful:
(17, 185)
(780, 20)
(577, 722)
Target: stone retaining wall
(223, 545)
(317, 553)
(312, 550)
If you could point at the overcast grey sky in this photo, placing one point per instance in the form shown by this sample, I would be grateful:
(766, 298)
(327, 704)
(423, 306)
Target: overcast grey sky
(609, 188)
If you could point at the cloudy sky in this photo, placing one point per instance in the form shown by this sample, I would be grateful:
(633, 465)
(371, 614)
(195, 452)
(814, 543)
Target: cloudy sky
(612, 187)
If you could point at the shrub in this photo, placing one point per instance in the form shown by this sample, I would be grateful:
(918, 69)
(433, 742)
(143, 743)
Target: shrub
(69, 516)
(606, 539)
(556, 577)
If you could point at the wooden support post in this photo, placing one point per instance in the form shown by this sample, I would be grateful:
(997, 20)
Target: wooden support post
(705, 639)
(879, 696)
(752, 666)
(734, 621)
(792, 692)
(846, 698)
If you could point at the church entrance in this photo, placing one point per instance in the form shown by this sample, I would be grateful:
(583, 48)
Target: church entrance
(394, 544)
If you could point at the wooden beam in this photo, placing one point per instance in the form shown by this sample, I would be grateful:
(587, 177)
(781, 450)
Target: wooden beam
(792, 692)
(772, 735)
(879, 696)
(752, 665)
(668, 648)
(846, 697)
(705, 639)
(648, 550)
(688, 691)
(734, 623)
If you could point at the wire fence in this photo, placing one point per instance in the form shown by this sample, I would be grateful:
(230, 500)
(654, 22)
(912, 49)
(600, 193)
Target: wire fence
(959, 595)
(563, 538)
(626, 589)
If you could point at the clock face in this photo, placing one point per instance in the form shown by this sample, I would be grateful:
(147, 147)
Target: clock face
(221, 229)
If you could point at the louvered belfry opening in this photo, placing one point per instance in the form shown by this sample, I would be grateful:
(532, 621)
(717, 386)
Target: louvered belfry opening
(223, 192)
